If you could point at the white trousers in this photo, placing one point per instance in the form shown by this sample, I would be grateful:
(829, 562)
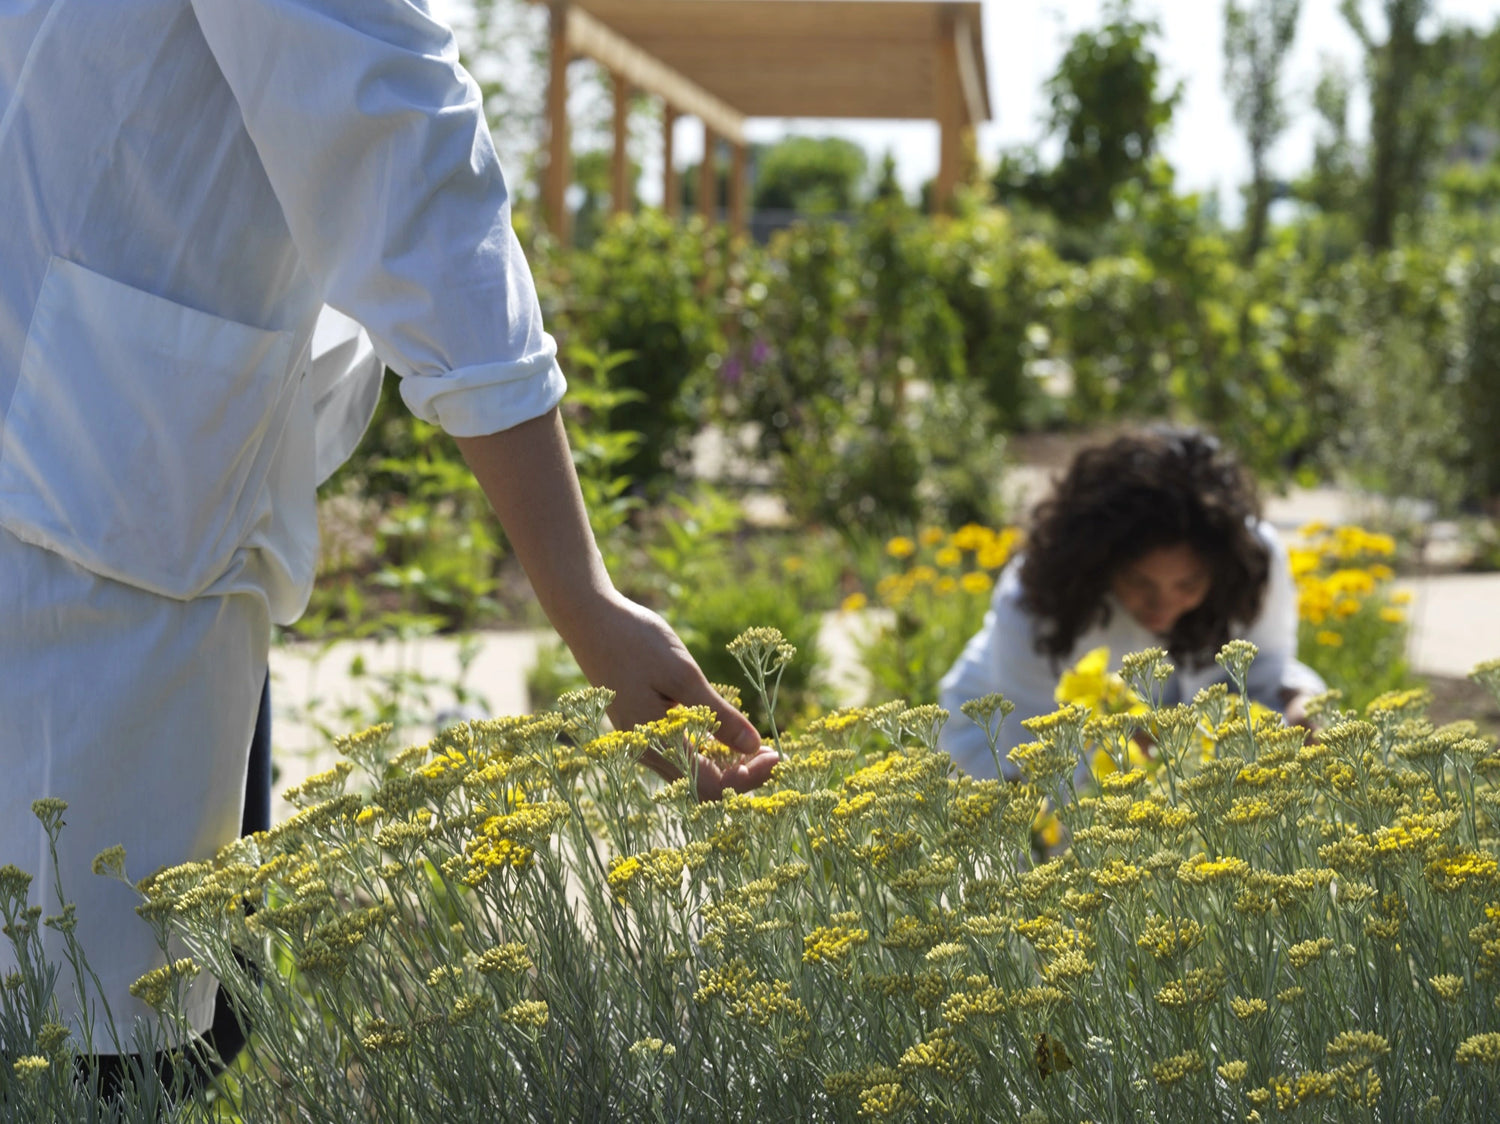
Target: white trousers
(138, 711)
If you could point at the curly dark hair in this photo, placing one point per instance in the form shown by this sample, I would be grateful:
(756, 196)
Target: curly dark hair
(1120, 501)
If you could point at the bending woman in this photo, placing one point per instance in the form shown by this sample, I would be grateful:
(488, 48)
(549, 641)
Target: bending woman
(1151, 540)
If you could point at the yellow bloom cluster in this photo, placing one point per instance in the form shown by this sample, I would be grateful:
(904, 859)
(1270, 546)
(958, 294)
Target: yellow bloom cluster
(1352, 622)
(941, 564)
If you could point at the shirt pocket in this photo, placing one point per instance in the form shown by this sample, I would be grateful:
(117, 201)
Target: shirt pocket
(136, 442)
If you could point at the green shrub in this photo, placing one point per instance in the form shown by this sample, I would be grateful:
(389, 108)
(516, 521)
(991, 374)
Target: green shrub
(651, 288)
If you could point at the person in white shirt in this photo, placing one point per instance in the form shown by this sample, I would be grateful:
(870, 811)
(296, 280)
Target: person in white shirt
(1153, 539)
(223, 218)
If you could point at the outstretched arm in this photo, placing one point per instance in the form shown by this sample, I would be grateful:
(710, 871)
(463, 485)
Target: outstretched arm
(527, 473)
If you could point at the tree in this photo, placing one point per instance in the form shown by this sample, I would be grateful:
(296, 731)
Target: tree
(1332, 183)
(1257, 36)
(1110, 109)
(810, 175)
(1402, 112)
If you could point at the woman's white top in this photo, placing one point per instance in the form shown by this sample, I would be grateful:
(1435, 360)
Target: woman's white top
(190, 189)
(1002, 657)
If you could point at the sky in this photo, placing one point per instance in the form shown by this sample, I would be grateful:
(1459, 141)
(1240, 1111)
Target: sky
(1025, 39)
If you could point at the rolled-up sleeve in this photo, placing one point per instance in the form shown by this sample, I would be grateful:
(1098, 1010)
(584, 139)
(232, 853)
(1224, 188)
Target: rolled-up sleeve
(374, 139)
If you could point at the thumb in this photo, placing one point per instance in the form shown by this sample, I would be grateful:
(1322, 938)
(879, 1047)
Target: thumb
(735, 730)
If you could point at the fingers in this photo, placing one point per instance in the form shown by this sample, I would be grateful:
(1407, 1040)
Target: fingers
(735, 730)
(743, 775)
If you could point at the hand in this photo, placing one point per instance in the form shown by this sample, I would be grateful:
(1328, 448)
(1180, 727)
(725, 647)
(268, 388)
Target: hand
(633, 652)
(1294, 710)
(527, 474)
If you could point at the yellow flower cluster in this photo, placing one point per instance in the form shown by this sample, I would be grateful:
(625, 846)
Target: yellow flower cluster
(941, 564)
(1351, 619)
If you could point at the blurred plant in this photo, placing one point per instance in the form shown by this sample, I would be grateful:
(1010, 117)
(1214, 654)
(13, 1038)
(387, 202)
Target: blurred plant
(1109, 107)
(935, 589)
(643, 288)
(1402, 434)
(810, 175)
(1257, 37)
(1352, 625)
(709, 585)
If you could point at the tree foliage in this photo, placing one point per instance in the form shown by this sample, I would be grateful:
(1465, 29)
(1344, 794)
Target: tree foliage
(810, 175)
(1257, 36)
(1109, 108)
(1402, 110)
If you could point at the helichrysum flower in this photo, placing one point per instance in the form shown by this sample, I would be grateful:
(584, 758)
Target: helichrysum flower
(509, 959)
(1236, 658)
(1200, 870)
(379, 1036)
(829, 944)
(650, 1048)
(1487, 675)
(1247, 1008)
(1196, 989)
(1306, 952)
(49, 809)
(156, 987)
(942, 1055)
(1452, 872)
(1169, 1071)
(1166, 937)
(110, 862)
(1480, 1049)
(530, 1014)
(31, 1067)
(765, 648)
(14, 883)
(1359, 1049)
(1449, 988)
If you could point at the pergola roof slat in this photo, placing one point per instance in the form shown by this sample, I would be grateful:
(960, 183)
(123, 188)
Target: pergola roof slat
(726, 60)
(587, 36)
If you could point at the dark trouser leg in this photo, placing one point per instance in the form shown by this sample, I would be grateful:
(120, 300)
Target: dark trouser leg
(226, 1035)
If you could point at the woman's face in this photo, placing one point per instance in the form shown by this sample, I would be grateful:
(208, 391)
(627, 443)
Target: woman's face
(1162, 585)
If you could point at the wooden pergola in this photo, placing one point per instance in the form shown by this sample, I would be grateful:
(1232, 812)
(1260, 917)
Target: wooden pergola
(723, 61)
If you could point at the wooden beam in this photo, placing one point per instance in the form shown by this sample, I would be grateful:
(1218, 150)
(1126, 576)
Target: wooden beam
(708, 178)
(587, 36)
(619, 178)
(971, 81)
(559, 153)
(949, 111)
(825, 20)
(739, 190)
(671, 193)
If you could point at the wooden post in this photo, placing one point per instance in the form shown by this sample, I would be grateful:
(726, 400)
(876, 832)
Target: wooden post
(671, 193)
(739, 190)
(708, 179)
(951, 118)
(620, 166)
(559, 154)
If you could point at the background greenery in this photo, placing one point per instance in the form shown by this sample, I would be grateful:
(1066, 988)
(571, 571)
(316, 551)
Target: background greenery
(867, 370)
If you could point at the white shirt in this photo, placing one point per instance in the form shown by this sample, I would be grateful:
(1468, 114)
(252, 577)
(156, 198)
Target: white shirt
(189, 189)
(1002, 657)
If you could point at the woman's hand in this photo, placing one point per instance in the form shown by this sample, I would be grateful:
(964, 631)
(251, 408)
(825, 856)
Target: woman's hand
(635, 653)
(527, 474)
